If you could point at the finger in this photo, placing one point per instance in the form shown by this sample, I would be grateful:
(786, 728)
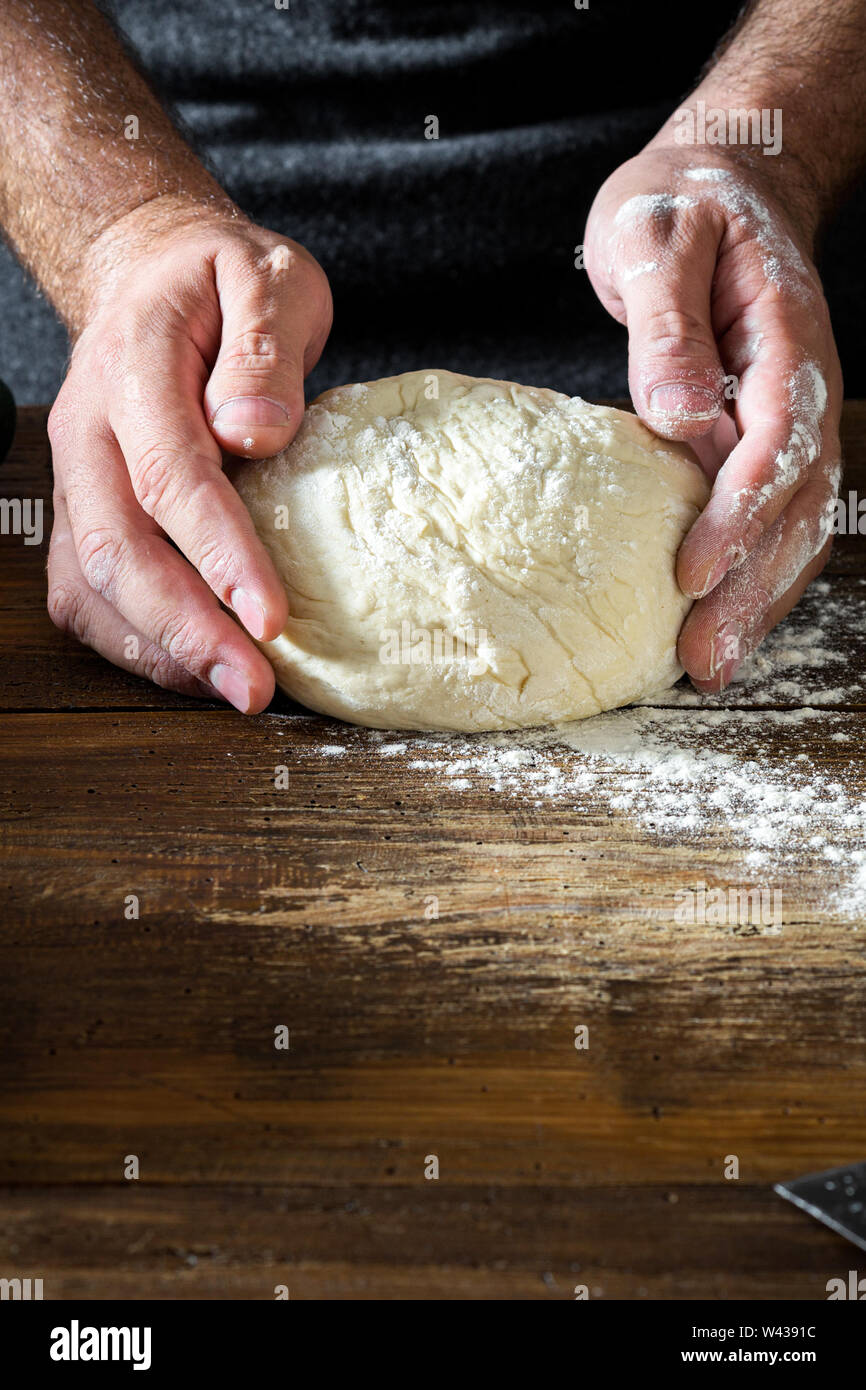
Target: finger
(663, 272)
(175, 468)
(272, 307)
(713, 448)
(727, 626)
(124, 559)
(781, 413)
(76, 609)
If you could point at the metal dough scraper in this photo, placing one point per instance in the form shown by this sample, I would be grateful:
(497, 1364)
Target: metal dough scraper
(836, 1197)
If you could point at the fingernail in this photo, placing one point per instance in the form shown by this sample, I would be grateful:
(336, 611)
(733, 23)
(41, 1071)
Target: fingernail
(685, 401)
(231, 685)
(248, 412)
(249, 610)
(733, 556)
(717, 573)
(727, 652)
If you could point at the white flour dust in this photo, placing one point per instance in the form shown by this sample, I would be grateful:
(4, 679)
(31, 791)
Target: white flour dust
(783, 266)
(721, 770)
(643, 268)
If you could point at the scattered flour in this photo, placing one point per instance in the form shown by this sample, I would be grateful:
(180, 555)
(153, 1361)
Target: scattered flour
(717, 771)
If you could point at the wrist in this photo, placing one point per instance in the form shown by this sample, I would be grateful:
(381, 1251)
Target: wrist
(111, 255)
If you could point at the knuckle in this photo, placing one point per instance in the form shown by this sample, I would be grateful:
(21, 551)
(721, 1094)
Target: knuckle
(802, 447)
(157, 666)
(217, 567)
(60, 423)
(831, 469)
(286, 263)
(66, 607)
(254, 351)
(100, 553)
(177, 636)
(152, 477)
(753, 531)
(111, 354)
(677, 333)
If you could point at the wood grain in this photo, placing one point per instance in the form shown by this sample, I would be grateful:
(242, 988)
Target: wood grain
(410, 1037)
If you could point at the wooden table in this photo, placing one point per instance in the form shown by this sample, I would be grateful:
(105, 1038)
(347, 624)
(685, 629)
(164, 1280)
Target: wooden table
(410, 1035)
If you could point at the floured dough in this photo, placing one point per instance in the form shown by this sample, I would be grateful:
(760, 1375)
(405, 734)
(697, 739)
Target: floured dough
(468, 554)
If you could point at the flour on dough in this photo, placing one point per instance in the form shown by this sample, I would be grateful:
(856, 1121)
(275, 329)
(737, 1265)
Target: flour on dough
(466, 554)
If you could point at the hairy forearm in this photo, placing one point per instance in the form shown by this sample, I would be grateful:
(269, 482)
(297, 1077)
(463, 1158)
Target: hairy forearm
(808, 61)
(83, 143)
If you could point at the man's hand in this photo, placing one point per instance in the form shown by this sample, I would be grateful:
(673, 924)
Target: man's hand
(705, 251)
(199, 334)
(193, 330)
(730, 348)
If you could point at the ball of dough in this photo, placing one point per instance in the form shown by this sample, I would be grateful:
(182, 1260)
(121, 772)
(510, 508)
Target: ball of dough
(466, 554)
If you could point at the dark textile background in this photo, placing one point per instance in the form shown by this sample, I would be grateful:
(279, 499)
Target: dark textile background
(457, 252)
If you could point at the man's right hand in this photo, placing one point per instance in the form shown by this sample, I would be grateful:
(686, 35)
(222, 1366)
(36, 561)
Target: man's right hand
(197, 336)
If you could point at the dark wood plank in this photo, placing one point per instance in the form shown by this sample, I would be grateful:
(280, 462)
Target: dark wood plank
(305, 907)
(258, 909)
(434, 1241)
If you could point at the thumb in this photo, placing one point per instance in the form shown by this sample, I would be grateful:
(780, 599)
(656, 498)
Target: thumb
(254, 400)
(675, 376)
